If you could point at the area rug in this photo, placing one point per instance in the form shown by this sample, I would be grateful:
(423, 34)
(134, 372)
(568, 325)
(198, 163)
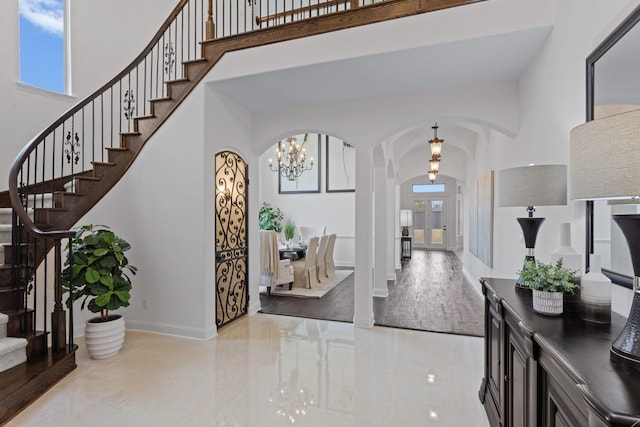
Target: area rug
(316, 292)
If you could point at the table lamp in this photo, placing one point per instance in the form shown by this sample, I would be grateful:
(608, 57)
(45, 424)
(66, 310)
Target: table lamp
(530, 186)
(605, 164)
(406, 221)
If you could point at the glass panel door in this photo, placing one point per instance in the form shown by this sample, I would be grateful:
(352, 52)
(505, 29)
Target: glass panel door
(437, 224)
(430, 223)
(419, 223)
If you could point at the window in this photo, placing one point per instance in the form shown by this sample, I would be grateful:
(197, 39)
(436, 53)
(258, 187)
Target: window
(428, 188)
(42, 44)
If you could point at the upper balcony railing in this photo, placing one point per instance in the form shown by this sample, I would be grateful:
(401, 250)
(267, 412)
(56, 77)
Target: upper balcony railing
(241, 16)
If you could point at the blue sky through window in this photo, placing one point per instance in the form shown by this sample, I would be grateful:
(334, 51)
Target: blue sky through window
(42, 44)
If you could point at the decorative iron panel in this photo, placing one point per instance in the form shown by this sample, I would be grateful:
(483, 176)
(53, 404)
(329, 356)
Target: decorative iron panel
(232, 292)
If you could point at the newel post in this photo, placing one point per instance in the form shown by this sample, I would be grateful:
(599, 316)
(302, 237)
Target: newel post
(58, 316)
(210, 28)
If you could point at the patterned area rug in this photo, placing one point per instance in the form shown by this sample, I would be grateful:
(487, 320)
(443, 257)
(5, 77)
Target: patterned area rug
(317, 291)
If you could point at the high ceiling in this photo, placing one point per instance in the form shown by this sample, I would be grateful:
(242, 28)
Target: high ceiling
(463, 63)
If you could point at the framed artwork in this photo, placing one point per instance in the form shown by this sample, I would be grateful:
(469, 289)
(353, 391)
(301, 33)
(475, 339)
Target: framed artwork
(309, 180)
(341, 165)
(481, 219)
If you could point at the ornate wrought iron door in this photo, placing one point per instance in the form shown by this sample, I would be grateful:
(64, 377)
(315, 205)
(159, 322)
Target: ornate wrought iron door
(232, 292)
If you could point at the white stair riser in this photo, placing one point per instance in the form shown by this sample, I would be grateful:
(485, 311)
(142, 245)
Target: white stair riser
(13, 351)
(6, 216)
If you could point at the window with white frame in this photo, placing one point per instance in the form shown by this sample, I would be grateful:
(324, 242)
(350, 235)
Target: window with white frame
(42, 44)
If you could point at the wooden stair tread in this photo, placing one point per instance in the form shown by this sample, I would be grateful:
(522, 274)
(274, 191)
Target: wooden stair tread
(103, 163)
(88, 178)
(23, 384)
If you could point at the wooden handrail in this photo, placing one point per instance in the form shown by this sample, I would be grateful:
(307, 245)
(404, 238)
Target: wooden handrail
(303, 10)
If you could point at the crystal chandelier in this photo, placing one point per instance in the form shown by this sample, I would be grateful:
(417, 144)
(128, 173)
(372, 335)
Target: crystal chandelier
(291, 163)
(436, 153)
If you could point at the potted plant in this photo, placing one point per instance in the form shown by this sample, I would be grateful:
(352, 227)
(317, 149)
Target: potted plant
(548, 282)
(289, 231)
(269, 218)
(97, 274)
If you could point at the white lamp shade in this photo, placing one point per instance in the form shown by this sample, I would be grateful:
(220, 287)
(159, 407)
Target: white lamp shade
(406, 218)
(536, 185)
(605, 158)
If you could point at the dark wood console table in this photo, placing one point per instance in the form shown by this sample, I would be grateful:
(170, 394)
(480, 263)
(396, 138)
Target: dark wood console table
(545, 371)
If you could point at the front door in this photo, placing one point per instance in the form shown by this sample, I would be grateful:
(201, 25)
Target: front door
(430, 226)
(232, 291)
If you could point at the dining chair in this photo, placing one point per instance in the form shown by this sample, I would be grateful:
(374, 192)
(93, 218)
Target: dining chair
(273, 271)
(304, 270)
(329, 264)
(308, 232)
(321, 270)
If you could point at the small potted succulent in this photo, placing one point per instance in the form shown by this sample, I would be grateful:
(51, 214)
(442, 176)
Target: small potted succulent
(549, 283)
(96, 272)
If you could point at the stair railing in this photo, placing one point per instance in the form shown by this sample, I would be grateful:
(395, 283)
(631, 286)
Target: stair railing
(72, 147)
(77, 143)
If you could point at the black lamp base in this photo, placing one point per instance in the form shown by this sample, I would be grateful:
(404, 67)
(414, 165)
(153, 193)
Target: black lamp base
(405, 231)
(626, 348)
(530, 227)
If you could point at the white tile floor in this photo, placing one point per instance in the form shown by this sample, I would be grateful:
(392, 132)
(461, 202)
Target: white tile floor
(268, 370)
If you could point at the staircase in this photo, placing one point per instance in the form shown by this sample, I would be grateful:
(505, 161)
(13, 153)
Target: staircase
(66, 169)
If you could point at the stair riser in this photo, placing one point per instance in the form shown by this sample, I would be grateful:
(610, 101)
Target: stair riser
(161, 108)
(147, 125)
(194, 70)
(6, 253)
(6, 217)
(11, 299)
(5, 237)
(179, 89)
(44, 216)
(37, 346)
(20, 323)
(14, 358)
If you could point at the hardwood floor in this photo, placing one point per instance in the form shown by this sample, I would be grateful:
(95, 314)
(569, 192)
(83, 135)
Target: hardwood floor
(431, 294)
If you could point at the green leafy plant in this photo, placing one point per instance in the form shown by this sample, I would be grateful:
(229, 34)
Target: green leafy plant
(289, 229)
(548, 277)
(269, 218)
(98, 271)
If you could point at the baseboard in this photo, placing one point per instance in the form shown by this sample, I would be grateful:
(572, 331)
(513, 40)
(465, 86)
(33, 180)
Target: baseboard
(176, 330)
(380, 293)
(366, 323)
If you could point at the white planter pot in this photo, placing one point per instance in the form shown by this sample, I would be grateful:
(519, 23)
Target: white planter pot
(549, 303)
(104, 339)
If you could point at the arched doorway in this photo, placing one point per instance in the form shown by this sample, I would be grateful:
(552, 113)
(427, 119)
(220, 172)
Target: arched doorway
(232, 297)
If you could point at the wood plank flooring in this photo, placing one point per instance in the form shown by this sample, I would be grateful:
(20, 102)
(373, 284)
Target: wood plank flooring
(431, 294)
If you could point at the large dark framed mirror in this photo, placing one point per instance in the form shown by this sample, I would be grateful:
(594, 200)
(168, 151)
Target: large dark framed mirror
(613, 87)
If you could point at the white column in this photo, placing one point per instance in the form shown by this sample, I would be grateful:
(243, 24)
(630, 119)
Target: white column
(363, 292)
(380, 234)
(392, 226)
(396, 231)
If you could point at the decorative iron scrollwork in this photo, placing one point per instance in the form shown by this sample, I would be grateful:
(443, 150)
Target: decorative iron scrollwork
(169, 58)
(73, 150)
(129, 104)
(231, 238)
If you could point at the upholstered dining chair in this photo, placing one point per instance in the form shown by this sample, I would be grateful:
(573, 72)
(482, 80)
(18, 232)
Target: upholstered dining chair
(304, 270)
(329, 264)
(273, 271)
(321, 269)
(308, 232)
